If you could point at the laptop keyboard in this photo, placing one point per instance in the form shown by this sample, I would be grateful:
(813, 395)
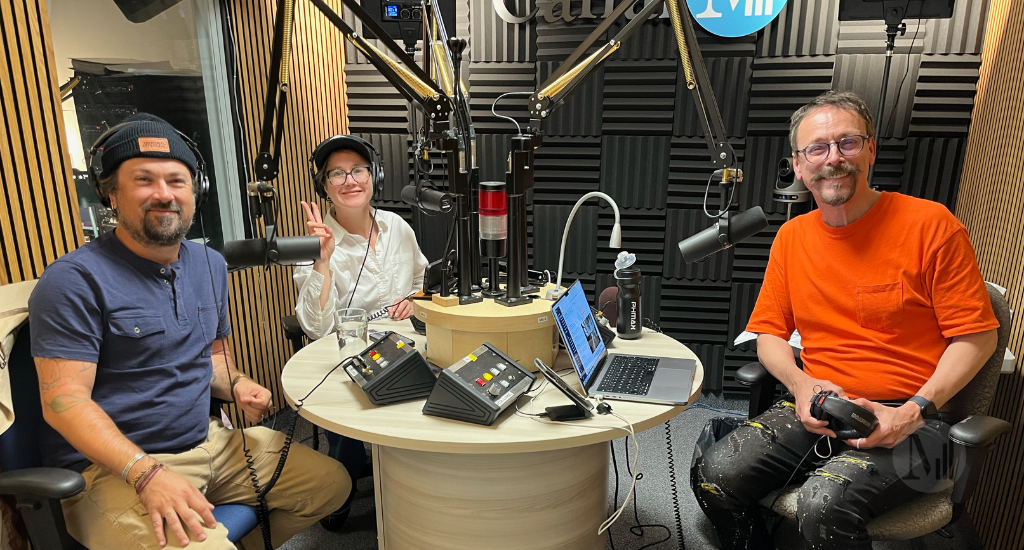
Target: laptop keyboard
(629, 375)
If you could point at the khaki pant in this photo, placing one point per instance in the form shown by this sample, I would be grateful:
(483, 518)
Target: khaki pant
(109, 515)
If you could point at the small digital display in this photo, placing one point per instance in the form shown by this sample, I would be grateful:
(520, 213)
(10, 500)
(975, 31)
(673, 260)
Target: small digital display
(391, 10)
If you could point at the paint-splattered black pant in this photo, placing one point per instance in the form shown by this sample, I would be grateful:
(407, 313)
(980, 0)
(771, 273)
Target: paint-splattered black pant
(836, 501)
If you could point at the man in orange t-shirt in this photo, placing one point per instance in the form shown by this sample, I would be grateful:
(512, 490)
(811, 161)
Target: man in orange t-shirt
(893, 314)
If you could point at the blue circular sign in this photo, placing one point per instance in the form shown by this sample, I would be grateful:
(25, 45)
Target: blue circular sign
(732, 18)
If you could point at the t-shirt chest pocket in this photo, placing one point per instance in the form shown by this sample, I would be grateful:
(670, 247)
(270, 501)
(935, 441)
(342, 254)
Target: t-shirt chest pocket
(880, 307)
(137, 337)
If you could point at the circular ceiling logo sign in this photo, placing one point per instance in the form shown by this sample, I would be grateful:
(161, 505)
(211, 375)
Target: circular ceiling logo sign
(732, 18)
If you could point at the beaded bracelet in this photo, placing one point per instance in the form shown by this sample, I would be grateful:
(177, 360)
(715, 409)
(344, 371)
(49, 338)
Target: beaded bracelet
(136, 458)
(151, 473)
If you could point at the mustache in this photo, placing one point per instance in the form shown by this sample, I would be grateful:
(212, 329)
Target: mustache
(169, 205)
(840, 170)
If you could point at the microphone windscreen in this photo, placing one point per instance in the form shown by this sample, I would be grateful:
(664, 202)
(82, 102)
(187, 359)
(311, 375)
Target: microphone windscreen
(607, 304)
(245, 253)
(746, 224)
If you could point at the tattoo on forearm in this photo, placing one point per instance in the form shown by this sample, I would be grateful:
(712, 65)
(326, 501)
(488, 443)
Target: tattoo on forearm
(64, 402)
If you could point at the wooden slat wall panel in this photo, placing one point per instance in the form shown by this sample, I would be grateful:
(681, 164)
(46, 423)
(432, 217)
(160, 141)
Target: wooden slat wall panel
(39, 219)
(316, 110)
(990, 202)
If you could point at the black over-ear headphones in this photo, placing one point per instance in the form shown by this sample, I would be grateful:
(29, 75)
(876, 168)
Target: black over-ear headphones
(846, 418)
(200, 183)
(354, 143)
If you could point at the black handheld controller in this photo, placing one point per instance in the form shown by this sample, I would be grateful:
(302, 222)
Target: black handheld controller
(846, 418)
(390, 370)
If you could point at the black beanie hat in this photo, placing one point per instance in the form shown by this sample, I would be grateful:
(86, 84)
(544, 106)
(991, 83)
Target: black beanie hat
(144, 135)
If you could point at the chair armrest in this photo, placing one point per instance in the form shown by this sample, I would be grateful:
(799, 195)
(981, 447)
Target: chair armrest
(972, 438)
(47, 483)
(978, 431)
(761, 384)
(293, 332)
(752, 374)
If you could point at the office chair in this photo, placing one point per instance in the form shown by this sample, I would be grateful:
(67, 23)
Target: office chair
(974, 434)
(38, 490)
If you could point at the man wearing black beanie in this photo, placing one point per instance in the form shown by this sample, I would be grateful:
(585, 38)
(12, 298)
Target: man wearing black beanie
(128, 337)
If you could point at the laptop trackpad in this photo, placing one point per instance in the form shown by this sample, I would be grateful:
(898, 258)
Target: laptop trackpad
(681, 378)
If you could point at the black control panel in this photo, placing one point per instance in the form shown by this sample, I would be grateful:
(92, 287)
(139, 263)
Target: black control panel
(479, 387)
(401, 10)
(391, 370)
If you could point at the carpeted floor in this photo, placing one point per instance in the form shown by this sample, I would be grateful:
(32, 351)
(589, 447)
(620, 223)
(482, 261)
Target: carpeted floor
(654, 498)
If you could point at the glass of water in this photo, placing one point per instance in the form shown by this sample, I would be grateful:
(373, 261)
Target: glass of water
(351, 323)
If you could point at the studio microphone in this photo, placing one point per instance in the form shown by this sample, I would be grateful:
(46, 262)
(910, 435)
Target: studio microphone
(282, 250)
(427, 198)
(716, 238)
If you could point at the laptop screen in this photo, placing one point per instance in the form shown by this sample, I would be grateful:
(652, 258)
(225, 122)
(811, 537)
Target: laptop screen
(579, 331)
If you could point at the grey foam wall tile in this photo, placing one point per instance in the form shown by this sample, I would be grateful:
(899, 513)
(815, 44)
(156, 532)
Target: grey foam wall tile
(803, 27)
(868, 37)
(639, 97)
(933, 168)
(556, 40)
(492, 156)
(581, 246)
(712, 358)
(862, 74)
(741, 305)
(944, 95)
(394, 156)
(780, 86)
(374, 105)
(492, 39)
(730, 82)
(961, 34)
(750, 258)
(566, 168)
(634, 170)
(888, 169)
(760, 172)
(695, 311)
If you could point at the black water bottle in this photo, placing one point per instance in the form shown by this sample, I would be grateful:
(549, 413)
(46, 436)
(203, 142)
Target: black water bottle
(627, 278)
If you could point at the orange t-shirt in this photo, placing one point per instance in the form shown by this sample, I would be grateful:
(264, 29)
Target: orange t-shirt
(875, 301)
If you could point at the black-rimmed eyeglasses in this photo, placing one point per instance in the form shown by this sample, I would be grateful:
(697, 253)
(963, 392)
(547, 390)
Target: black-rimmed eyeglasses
(849, 146)
(338, 176)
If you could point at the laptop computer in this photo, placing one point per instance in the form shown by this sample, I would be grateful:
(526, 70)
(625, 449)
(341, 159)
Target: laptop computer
(663, 380)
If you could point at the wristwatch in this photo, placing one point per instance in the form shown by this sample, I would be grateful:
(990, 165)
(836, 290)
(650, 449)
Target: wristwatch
(927, 407)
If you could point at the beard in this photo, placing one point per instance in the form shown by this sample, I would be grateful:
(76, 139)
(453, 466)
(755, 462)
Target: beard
(834, 194)
(165, 230)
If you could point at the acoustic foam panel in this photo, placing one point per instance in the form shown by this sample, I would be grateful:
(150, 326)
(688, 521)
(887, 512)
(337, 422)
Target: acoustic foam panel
(760, 172)
(639, 97)
(888, 169)
(944, 95)
(730, 82)
(712, 358)
(932, 169)
(581, 246)
(803, 27)
(492, 156)
(556, 40)
(742, 298)
(780, 86)
(492, 39)
(566, 168)
(695, 311)
(862, 74)
(374, 105)
(634, 170)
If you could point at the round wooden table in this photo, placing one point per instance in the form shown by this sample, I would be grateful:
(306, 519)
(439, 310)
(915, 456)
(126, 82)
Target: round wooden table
(440, 483)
